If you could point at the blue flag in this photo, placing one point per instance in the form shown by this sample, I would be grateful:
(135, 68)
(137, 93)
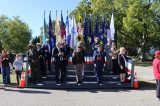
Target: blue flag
(51, 36)
(96, 31)
(85, 33)
(90, 30)
(102, 34)
(68, 35)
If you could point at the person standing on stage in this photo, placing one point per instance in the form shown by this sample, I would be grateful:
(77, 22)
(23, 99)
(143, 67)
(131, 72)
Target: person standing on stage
(41, 60)
(47, 56)
(122, 59)
(33, 62)
(78, 60)
(68, 51)
(99, 61)
(59, 55)
(156, 71)
(114, 53)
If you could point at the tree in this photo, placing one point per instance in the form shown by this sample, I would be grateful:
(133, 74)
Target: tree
(140, 25)
(14, 34)
(137, 22)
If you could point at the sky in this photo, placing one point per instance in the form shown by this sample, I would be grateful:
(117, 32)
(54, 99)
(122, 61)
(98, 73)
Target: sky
(31, 11)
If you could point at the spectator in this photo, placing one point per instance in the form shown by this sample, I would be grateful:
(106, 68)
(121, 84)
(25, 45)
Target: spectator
(18, 64)
(5, 68)
(156, 70)
(0, 62)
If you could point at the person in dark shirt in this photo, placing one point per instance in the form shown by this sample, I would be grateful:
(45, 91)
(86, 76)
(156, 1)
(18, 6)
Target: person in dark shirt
(122, 59)
(78, 61)
(59, 55)
(5, 68)
(33, 58)
(47, 56)
(41, 59)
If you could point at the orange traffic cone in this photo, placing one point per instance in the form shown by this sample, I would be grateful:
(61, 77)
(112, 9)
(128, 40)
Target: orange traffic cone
(135, 83)
(22, 81)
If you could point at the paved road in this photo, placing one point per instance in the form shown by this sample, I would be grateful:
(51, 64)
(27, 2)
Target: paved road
(145, 96)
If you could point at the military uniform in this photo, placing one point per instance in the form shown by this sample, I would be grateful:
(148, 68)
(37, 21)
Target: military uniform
(47, 57)
(41, 60)
(99, 61)
(33, 62)
(60, 61)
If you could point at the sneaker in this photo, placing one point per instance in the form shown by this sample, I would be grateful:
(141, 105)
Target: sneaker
(158, 99)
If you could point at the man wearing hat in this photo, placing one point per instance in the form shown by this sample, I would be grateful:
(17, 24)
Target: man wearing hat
(47, 55)
(156, 70)
(41, 60)
(32, 61)
(99, 61)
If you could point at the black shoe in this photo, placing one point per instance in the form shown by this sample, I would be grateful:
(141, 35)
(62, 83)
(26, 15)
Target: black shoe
(62, 82)
(79, 82)
(100, 82)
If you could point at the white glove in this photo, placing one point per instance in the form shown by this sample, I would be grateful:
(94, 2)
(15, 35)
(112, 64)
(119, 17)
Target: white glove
(94, 65)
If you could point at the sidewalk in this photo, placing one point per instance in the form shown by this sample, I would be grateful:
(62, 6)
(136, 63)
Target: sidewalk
(145, 73)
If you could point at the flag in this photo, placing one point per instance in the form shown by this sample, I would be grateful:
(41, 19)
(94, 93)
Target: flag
(63, 31)
(108, 32)
(44, 31)
(102, 34)
(96, 31)
(57, 30)
(68, 35)
(85, 33)
(90, 30)
(73, 33)
(112, 27)
(51, 36)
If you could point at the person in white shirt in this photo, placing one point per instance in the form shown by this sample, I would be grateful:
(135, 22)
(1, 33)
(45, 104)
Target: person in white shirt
(18, 64)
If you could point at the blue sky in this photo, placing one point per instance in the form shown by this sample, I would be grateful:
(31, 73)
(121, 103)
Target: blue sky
(31, 11)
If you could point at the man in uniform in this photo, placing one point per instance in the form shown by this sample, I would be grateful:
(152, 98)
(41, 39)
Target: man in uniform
(32, 61)
(68, 51)
(41, 60)
(59, 55)
(47, 56)
(99, 61)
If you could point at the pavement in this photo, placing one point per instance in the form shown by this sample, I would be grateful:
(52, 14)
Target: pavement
(144, 96)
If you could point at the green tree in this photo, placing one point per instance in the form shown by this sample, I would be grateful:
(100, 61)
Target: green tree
(14, 34)
(137, 22)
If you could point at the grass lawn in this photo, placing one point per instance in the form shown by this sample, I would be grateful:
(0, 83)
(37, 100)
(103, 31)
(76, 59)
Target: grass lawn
(13, 78)
(143, 64)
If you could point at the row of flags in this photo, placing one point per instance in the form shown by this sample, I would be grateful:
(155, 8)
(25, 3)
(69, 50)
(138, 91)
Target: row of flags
(69, 31)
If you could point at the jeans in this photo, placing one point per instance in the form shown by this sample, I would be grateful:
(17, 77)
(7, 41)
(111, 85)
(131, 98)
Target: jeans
(6, 75)
(158, 89)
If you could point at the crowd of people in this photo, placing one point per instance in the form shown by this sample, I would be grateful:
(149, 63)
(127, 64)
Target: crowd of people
(40, 60)
(41, 57)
